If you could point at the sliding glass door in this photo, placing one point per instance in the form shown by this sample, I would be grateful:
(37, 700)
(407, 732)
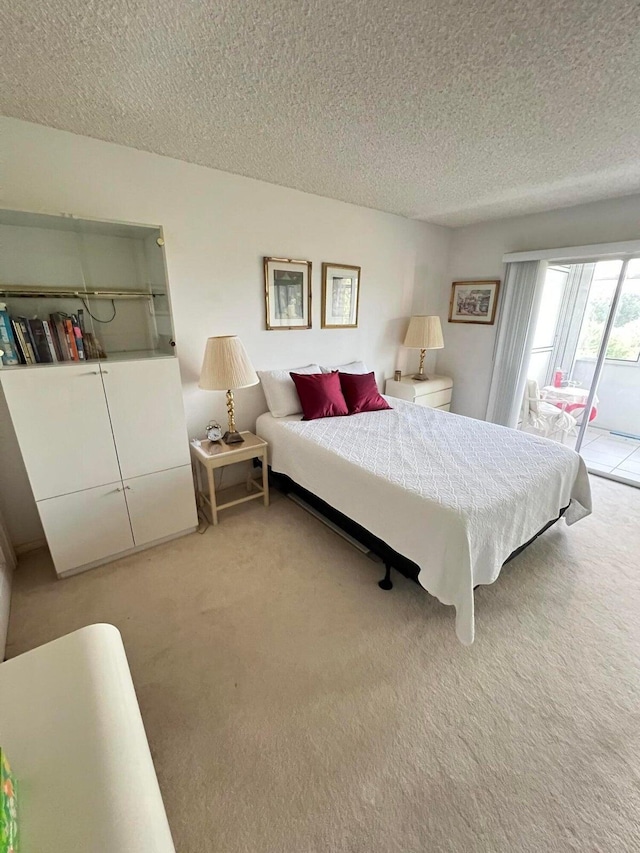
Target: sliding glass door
(608, 364)
(586, 360)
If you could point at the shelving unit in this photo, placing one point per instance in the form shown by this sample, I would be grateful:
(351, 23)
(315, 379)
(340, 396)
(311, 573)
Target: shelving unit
(113, 474)
(71, 266)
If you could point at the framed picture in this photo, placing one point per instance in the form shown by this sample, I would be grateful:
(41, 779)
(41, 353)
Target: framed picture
(287, 289)
(474, 302)
(340, 296)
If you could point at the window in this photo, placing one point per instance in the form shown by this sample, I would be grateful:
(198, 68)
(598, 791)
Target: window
(624, 343)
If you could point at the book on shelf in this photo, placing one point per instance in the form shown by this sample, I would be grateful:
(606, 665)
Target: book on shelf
(39, 338)
(55, 339)
(28, 332)
(25, 357)
(92, 347)
(71, 339)
(77, 331)
(25, 337)
(61, 337)
(50, 343)
(57, 322)
(10, 354)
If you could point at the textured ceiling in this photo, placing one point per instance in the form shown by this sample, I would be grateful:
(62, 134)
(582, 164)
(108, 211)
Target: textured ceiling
(452, 112)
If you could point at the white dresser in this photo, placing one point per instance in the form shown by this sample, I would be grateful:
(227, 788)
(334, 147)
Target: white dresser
(106, 450)
(434, 392)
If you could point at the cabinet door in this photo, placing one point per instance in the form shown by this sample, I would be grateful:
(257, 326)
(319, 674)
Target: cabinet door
(161, 504)
(62, 424)
(86, 526)
(147, 415)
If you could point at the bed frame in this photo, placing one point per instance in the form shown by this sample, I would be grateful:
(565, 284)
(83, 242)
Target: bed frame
(390, 558)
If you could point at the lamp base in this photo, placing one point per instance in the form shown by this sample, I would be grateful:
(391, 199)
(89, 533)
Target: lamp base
(419, 376)
(232, 438)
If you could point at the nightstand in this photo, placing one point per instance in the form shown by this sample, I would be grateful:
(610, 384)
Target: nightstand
(209, 455)
(434, 392)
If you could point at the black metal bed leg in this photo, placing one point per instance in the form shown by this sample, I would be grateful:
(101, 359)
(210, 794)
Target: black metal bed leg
(386, 582)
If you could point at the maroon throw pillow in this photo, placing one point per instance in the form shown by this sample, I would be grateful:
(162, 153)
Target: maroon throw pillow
(320, 395)
(361, 393)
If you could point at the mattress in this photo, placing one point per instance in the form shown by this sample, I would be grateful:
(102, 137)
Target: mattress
(455, 495)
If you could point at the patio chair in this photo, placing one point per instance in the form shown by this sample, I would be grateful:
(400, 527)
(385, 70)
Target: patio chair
(544, 418)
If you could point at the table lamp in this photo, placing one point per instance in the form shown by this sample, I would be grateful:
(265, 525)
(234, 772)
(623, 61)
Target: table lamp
(226, 366)
(423, 333)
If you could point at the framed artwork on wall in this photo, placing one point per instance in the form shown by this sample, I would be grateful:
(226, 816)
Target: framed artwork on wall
(287, 292)
(340, 296)
(474, 302)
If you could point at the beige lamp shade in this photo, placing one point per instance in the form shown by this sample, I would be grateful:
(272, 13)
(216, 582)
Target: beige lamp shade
(424, 333)
(226, 365)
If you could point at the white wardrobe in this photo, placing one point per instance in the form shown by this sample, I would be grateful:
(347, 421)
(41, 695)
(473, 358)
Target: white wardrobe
(103, 440)
(105, 447)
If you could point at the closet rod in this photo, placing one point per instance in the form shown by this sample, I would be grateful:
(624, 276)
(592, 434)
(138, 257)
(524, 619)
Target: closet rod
(44, 293)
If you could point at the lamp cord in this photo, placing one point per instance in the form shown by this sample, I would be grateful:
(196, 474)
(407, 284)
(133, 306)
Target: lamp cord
(97, 319)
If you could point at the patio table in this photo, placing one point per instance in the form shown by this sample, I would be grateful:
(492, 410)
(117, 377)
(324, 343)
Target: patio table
(570, 398)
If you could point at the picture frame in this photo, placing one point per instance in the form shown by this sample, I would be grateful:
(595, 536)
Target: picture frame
(474, 302)
(287, 292)
(340, 296)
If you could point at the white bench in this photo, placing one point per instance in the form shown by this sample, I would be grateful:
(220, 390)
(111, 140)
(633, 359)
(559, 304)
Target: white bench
(72, 730)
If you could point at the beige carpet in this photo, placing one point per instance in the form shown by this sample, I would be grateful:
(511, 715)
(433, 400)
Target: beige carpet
(291, 706)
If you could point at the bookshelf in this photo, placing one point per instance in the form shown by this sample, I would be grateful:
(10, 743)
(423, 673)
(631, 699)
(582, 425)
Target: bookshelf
(66, 281)
(103, 439)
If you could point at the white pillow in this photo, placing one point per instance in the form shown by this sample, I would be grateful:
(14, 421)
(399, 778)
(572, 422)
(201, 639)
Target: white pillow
(280, 391)
(352, 367)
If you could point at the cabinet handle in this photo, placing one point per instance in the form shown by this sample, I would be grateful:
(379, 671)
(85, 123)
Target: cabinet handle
(126, 488)
(91, 373)
(104, 371)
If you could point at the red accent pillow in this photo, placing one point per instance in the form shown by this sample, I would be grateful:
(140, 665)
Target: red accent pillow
(361, 393)
(320, 395)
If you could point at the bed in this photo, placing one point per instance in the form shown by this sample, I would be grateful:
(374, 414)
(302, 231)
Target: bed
(454, 495)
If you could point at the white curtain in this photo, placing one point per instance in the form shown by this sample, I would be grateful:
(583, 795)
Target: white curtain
(521, 296)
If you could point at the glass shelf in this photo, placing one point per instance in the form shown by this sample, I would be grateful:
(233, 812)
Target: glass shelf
(133, 355)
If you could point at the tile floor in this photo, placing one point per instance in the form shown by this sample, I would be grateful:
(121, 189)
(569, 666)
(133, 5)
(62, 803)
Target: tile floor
(611, 454)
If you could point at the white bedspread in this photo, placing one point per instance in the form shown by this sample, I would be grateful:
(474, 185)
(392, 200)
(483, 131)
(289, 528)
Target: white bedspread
(455, 495)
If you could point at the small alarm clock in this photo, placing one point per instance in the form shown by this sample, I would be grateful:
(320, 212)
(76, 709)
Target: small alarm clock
(214, 431)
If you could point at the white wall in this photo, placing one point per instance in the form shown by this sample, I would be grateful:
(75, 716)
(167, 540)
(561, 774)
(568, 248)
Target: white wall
(476, 253)
(217, 229)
